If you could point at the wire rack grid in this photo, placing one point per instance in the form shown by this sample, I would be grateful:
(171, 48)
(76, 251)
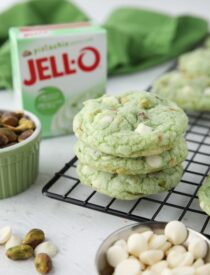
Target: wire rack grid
(181, 203)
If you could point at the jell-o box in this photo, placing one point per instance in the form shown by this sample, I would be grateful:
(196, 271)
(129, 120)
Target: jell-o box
(56, 68)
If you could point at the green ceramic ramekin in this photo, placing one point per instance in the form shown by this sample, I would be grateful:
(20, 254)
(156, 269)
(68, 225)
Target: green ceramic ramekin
(19, 163)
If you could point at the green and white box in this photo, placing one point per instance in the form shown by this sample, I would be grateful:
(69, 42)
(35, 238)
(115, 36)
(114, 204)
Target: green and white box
(56, 68)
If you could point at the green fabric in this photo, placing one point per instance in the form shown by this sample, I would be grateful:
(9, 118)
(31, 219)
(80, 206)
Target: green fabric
(137, 39)
(5, 66)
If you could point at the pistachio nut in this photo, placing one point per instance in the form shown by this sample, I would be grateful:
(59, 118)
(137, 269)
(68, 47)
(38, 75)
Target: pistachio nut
(19, 114)
(25, 124)
(24, 135)
(3, 140)
(20, 252)
(34, 237)
(43, 263)
(8, 133)
(9, 118)
(14, 127)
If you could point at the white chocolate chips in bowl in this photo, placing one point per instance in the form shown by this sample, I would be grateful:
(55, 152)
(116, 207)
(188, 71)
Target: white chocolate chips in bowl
(154, 248)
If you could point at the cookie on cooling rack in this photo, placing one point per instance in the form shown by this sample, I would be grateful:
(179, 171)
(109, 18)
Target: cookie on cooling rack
(131, 166)
(195, 63)
(204, 196)
(129, 187)
(130, 125)
(190, 94)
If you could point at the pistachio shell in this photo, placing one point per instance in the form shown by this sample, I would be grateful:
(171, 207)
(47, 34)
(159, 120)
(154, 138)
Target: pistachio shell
(43, 263)
(20, 252)
(25, 124)
(9, 134)
(9, 118)
(24, 135)
(34, 237)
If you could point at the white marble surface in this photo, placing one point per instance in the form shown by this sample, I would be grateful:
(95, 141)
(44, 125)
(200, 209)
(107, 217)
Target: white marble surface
(76, 231)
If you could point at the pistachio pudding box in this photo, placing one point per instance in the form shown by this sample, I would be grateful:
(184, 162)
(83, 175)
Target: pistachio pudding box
(55, 69)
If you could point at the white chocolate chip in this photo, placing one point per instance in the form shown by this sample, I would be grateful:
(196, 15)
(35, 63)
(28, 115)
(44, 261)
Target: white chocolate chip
(106, 119)
(187, 90)
(13, 241)
(203, 270)
(47, 247)
(187, 259)
(167, 271)
(128, 266)
(176, 259)
(202, 205)
(141, 264)
(198, 263)
(177, 248)
(176, 232)
(116, 254)
(151, 257)
(158, 267)
(147, 235)
(198, 248)
(122, 243)
(207, 91)
(96, 183)
(143, 129)
(166, 247)
(5, 234)
(136, 244)
(154, 161)
(157, 241)
(185, 270)
(86, 169)
(105, 157)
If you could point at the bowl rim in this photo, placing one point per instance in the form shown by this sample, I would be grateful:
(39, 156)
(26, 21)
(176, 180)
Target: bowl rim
(140, 224)
(29, 139)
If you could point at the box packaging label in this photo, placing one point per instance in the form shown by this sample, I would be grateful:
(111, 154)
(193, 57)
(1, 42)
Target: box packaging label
(56, 68)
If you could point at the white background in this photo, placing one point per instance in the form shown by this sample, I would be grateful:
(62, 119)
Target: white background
(76, 231)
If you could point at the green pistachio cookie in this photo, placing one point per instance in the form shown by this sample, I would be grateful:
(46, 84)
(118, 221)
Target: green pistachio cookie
(204, 196)
(130, 125)
(190, 94)
(195, 63)
(131, 166)
(129, 187)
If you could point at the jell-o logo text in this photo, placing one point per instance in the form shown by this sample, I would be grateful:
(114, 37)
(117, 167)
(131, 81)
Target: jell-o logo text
(45, 68)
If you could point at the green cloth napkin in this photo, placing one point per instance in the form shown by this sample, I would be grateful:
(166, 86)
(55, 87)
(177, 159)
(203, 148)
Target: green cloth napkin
(137, 39)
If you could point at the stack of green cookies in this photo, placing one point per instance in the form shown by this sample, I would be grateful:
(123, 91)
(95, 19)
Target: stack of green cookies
(189, 86)
(130, 145)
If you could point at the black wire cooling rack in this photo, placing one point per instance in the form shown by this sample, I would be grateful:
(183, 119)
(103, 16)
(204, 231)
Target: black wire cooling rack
(181, 203)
